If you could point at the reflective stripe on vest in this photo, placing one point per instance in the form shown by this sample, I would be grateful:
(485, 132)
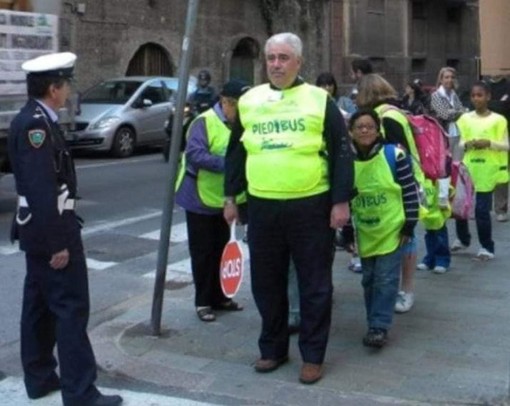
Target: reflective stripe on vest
(378, 211)
(283, 138)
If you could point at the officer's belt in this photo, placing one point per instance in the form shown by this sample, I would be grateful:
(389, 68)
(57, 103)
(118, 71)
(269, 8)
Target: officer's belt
(69, 204)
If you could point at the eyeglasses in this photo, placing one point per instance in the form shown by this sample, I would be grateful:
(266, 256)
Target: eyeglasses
(368, 127)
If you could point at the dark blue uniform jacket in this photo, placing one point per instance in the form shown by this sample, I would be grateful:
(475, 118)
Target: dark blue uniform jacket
(41, 165)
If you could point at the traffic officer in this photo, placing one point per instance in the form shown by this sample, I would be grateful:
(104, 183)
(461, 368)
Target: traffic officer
(55, 297)
(200, 193)
(291, 150)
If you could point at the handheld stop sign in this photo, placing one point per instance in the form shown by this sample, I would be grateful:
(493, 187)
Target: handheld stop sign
(231, 265)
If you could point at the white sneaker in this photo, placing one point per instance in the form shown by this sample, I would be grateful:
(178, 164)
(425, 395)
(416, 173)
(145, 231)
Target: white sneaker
(355, 265)
(422, 267)
(502, 217)
(458, 246)
(439, 269)
(404, 302)
(484, 255)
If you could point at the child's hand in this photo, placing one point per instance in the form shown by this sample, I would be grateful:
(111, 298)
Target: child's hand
(469, 145)
(481, 144)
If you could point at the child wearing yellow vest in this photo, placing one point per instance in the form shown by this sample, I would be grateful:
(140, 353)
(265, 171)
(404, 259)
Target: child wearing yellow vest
(484, 138)
(383, 215)
(438, 254)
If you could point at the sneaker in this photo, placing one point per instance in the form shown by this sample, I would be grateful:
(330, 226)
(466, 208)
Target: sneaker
(375, 338)
(458, 246)
(422, 267)
(502, 217)
(440, 269)
(355, 265)
(484, 255)
(404, 302)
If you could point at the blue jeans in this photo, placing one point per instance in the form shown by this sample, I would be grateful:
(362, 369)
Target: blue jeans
(483, 223)
(381, 278)
(438, 248)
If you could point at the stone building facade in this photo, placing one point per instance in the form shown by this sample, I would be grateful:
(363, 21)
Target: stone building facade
(407, 39)
(403, 38)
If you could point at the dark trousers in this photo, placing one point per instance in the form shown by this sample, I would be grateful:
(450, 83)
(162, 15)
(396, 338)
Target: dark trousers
(207, 236)
(483, 223)
(55, 311)
(279, 230)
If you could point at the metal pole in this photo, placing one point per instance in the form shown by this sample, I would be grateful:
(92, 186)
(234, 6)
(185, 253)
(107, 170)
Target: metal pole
(175, 145)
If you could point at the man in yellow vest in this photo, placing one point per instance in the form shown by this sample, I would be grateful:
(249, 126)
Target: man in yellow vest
(290, 150)
(200, 193)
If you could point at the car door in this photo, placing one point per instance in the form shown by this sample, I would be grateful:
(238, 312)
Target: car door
(151, 118)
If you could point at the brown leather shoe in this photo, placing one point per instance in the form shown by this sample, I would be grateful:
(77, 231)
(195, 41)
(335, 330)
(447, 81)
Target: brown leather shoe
(310, 373)
(267, 365)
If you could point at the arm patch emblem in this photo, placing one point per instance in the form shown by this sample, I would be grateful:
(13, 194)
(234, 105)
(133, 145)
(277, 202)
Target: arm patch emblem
(36, 137)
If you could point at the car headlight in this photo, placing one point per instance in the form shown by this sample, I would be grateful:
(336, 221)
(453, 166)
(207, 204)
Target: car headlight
(105, 123)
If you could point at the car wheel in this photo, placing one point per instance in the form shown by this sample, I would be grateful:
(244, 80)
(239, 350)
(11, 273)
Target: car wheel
(124, 142)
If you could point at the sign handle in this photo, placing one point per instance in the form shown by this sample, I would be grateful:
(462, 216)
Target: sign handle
(232, 231)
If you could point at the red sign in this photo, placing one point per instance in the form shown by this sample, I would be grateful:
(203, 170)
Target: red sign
(231, 268)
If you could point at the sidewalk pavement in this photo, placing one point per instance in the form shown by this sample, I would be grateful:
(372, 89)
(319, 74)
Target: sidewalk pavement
(452, 348)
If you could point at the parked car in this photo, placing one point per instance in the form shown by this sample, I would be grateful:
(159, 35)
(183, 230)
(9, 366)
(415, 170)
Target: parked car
(118, 115)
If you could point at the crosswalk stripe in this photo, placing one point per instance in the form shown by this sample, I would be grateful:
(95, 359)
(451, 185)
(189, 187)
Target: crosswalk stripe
(119, 223)
(180, 271)
(9, 250)
(12, 393)
(99, 265)
(179, 233)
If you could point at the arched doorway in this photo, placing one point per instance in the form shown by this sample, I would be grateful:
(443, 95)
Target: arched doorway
(150, 60)
(244, 58)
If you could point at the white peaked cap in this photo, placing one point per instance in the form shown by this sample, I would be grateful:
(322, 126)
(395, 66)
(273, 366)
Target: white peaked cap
(59, 64)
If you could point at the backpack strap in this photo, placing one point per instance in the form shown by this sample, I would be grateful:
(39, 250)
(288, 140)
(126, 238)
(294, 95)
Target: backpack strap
(390, 154)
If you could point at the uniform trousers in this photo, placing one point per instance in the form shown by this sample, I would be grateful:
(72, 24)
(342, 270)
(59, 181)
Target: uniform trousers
(56, 311)
(297, 229)
(207, 236)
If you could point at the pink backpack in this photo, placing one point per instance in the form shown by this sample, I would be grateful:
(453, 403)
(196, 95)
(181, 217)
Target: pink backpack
(463, 200)
(431, 143)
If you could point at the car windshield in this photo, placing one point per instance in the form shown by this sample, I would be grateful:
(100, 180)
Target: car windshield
(111, 92)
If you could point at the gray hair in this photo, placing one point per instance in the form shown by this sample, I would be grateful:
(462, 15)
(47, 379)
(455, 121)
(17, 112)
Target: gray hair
(286, 38)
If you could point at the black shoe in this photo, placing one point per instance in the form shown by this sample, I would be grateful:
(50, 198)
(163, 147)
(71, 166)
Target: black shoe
(375, 338)
(106, 400)
(44, 391)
